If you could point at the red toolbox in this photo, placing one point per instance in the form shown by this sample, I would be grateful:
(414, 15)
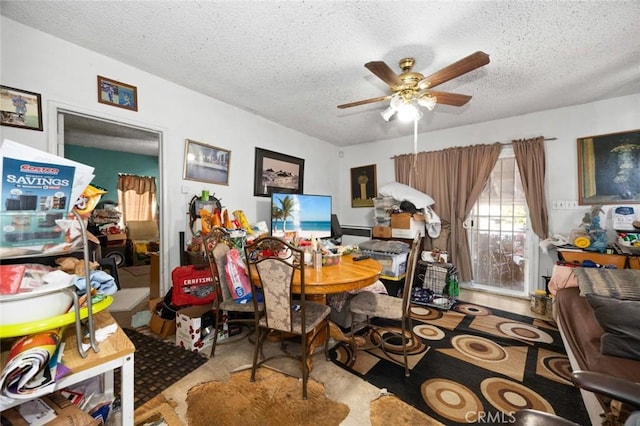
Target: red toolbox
(192, 285)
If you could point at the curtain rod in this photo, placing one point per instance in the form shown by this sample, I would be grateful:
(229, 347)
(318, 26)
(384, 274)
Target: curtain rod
(545, 139)
(502, 143)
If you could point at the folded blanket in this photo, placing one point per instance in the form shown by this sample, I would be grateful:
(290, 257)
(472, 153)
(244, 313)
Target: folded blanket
(100, 280)
(617, 283)
(385, 246)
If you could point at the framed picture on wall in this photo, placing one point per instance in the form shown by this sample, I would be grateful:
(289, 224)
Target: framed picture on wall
(364, 187)
(117, 94)
(206, 163)
(19, 108)
(275, 172)
(609, 168)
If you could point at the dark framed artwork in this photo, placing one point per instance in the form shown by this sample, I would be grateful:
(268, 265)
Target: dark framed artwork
(364, 187)
(115, 93)
(609, 168)
(206, 163)
(275, 172)
(19, 108)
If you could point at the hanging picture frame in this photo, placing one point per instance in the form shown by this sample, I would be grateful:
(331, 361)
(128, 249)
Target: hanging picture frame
(609, 168)
(206, 163)
(20, 108)
(364, 187)
(115, 93)
(275, 172)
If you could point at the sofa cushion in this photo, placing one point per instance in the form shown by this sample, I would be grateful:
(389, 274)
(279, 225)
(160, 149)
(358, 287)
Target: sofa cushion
(619, 319)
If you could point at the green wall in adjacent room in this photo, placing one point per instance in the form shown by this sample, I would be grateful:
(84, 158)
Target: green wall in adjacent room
(108, 164)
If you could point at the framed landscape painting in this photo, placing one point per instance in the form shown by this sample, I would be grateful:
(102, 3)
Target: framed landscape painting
(206, 163)
(20, 108)
(275, 172)
(609, 168)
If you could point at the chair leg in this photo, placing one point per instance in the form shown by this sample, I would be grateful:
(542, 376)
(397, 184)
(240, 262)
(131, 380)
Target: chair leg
(304, 366)
(215, 336)
(261, 335)
(326, 342)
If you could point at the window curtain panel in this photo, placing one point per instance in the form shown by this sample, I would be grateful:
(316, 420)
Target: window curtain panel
(137, 197)
(454, 178)
(530, 156)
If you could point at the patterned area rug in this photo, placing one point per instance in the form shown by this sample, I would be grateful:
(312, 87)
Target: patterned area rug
(474, 361)
(158, 365)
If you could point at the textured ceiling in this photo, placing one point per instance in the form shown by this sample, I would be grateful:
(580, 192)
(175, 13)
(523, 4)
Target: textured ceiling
(293, 62)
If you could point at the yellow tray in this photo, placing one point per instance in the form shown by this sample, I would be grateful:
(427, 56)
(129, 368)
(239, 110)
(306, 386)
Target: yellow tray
(26, 328)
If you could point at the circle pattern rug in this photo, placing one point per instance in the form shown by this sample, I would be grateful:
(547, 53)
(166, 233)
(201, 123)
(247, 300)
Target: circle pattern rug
(477, 361)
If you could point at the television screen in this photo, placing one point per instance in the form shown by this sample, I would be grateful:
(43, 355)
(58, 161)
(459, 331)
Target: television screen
(306, 215)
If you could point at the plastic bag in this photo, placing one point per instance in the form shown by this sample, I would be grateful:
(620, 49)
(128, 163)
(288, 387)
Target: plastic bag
(237, 279)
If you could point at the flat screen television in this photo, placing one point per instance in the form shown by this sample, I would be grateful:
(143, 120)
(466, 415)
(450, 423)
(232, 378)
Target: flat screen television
(306, 215)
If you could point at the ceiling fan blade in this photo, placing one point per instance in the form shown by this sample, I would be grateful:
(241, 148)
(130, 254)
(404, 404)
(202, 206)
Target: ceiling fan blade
(463, 66)
(447, 98)
(365, 101)
(384, 73)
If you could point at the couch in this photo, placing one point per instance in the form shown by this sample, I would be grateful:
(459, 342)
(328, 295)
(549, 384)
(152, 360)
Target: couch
(142, 238)
(598, 313)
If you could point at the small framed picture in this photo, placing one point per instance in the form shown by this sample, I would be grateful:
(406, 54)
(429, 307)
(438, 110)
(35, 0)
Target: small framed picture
(276, 172)
(19, 108)
(363, 186)
(117, 94)
(206, 163)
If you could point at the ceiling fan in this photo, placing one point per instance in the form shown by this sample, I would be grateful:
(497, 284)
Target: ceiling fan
(410, 88)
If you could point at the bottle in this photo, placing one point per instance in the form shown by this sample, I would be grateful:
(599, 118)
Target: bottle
(317, 260)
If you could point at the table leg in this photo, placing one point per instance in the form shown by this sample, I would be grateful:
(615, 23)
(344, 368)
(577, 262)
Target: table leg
(126, 390)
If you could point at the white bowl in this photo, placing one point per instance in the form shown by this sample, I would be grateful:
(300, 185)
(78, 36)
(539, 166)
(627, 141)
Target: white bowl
(44, 302)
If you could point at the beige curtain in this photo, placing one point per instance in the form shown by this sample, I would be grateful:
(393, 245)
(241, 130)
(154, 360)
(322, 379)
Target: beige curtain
(137, 197)
(530, 156)
(454, 178)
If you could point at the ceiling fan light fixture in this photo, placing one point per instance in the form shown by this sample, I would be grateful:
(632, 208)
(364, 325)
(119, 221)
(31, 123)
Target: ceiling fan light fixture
(427, 101)
(388, 113)
(409, 112)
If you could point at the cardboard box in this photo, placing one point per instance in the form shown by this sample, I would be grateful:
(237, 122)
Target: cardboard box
(405, 225)
(406, 220)
(381, 232)
(66, 412)
(158, 325)
(116, 237)
(189, 324)
(408, 233)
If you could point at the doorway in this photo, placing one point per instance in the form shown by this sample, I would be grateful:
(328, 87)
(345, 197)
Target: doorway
(86, 133)
(501, 241)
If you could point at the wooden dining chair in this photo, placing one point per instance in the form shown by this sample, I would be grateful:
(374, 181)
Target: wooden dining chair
(367, 305)
(216, 244)
(278, 266)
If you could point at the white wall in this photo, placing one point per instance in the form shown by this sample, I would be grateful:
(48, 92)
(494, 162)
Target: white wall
(65, 74)
(565, 124)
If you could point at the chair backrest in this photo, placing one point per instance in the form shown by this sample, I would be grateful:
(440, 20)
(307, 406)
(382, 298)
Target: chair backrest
(276, 264)
(412, 261)
(216, 245)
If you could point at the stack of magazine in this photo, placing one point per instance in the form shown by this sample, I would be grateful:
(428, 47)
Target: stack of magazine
(33, 365)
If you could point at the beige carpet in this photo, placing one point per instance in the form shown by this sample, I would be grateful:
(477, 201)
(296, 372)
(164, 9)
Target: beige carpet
(273, 399)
